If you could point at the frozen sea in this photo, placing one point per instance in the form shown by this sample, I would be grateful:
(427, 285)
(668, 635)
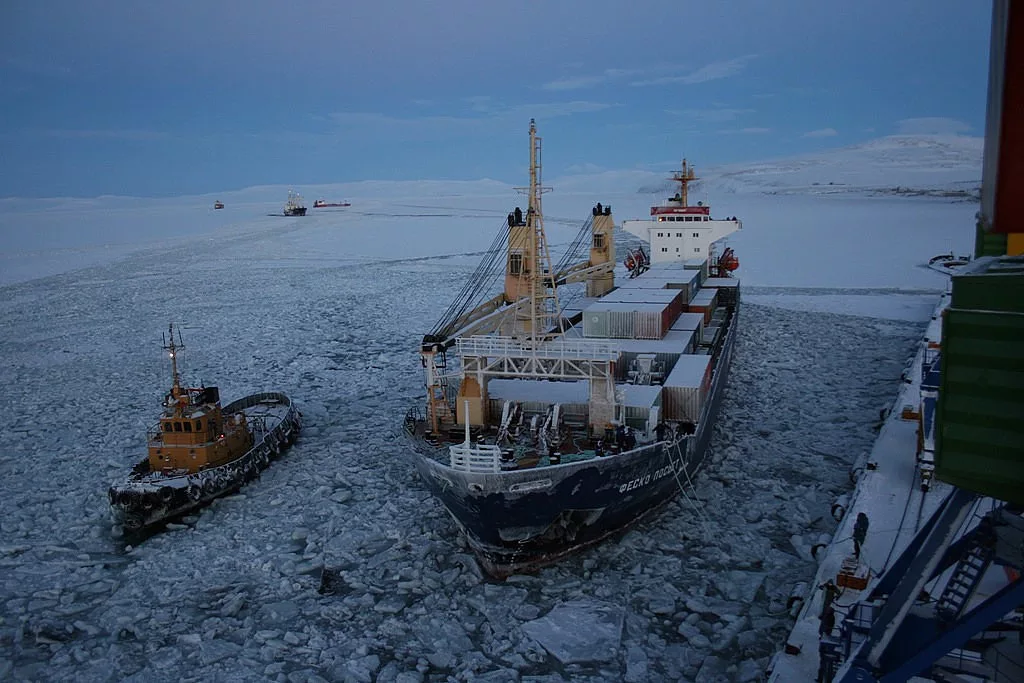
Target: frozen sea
(330, 309)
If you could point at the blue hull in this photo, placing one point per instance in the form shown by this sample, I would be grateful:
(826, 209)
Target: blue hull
(522, 519)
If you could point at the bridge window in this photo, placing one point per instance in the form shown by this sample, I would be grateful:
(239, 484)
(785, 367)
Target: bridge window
(177, 426)
(707, 218)
(664, 248)
(679, 234)
(660, 234)
(515, 264)
(188, 426)
(598, 240)
(167, 426)
(696, 234)
(198, 426)
(696, 250)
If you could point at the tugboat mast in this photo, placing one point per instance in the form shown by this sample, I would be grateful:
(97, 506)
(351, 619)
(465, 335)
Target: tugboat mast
(172, 349)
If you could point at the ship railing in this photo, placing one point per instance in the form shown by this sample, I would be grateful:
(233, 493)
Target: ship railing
(510, 347)
(478, 458)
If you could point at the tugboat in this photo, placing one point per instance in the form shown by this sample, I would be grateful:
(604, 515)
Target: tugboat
(324, 204)
(199, 451)
(295, 206)
(218, 204)
(559, 426)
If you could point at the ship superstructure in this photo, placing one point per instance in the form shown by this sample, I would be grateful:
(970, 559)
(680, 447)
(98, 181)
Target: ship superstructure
(563, 408)
(678, 231)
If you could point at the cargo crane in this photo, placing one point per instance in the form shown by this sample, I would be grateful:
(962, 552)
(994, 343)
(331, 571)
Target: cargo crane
(527, 308)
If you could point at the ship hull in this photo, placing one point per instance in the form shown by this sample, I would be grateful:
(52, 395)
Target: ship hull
(521, 520)
(149, 498)
(295, 212)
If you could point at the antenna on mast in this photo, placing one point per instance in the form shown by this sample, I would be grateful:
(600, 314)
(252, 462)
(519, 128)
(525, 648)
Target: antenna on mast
(173, 349)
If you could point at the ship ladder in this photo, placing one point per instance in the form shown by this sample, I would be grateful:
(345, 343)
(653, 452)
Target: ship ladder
(966, 577)
(694, 503)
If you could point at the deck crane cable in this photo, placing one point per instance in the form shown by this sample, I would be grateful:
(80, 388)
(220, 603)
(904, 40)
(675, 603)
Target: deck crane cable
(475, 287)
(574, 251)
(472, 291)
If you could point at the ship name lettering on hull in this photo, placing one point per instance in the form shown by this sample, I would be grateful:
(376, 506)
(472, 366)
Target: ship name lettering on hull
(646, 479)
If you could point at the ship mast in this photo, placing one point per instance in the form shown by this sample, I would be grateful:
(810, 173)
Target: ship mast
(172, 349)
(684, 178)
(545, 313)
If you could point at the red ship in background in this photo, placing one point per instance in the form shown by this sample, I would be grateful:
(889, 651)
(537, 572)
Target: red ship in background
(323, 204)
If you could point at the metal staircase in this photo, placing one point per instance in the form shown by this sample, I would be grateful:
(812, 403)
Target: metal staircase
(966, 577)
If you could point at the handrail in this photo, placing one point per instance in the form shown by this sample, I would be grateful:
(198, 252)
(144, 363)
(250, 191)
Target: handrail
(510, 347)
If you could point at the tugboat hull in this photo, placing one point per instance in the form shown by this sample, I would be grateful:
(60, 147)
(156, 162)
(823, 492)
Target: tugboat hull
(147, 498)
(521, 520)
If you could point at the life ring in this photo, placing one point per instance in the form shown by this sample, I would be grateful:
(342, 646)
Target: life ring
(166, 494)
(195, 492)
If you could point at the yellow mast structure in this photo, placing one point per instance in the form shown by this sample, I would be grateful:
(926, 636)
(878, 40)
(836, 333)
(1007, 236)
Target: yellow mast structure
(684, 178)
(543, 316)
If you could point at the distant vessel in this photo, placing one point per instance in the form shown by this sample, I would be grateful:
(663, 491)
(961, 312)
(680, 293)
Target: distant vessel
(559, 426)
(324, 204)
(218, 204)
(199, 451)
(295, 206)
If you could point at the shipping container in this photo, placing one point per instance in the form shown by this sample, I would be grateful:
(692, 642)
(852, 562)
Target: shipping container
(639, 399)
(672, 298)
(704, 302)
(700, 265)
(990, 284)
(979, 444)
(682, 396)
(666, 351)
(616, 320)
(710, 335)
(728, 289)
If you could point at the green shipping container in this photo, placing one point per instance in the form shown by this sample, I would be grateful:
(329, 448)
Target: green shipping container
(980, 413)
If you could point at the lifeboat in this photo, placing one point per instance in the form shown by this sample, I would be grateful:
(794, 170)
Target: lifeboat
(728, 261)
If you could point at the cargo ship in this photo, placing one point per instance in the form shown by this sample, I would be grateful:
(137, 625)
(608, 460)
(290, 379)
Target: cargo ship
(324, 204)
(198, 450)
(563, 406)
(924, 578)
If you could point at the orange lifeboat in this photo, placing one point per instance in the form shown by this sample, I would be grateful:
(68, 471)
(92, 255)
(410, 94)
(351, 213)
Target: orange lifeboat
(728, 261)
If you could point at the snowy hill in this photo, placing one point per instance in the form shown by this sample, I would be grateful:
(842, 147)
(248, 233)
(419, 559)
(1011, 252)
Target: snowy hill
(911, 163)
(936, 165)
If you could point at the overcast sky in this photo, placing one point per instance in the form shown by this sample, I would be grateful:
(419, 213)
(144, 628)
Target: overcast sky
(166, 98)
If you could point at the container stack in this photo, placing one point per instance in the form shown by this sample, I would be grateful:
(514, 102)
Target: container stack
(628, 320)
(704, 302)
(728, 289)
(686, 387)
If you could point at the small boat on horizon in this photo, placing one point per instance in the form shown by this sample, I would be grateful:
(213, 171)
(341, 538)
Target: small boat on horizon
(295, 206)
(218, 204)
